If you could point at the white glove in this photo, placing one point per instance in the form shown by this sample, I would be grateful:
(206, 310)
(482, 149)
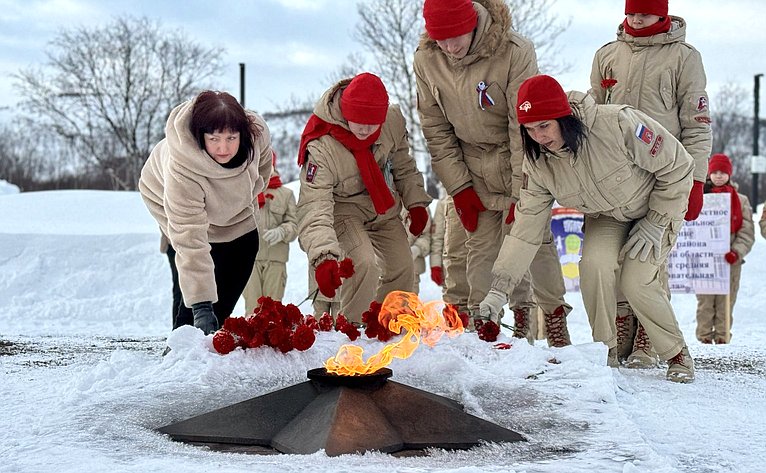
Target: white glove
(491, 308)
(415, 250)
(644, 238)
(274, 236)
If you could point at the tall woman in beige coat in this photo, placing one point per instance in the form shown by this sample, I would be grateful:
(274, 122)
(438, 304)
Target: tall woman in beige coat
(201, 185)
(631, 179)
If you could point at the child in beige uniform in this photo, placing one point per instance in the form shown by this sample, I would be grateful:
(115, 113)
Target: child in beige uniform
(714, 318)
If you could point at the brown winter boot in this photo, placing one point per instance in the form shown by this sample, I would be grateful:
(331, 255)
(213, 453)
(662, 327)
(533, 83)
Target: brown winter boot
(643, 355)
(611, 358)
(681, 367)
(626, 333)
(556, 328)
(520, 322)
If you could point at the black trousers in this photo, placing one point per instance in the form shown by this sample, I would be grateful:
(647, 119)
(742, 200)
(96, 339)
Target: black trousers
(233, 261)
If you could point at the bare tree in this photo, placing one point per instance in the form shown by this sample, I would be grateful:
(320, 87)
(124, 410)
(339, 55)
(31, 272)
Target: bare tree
(534, 20)
(390, 32)
(108, 90)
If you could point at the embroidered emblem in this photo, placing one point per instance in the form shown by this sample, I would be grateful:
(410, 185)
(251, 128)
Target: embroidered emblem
(701, 103)
(311, 172)
(485, 100)
(703, 119)
(644, 134)
(657, 146)
(526, 106)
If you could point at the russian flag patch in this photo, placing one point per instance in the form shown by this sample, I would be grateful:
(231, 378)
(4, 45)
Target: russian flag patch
(644, 134)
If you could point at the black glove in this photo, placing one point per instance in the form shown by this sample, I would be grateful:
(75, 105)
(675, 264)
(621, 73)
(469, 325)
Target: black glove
(204, 318)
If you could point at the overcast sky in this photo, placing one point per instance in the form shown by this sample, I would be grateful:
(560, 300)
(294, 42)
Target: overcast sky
(290, 47)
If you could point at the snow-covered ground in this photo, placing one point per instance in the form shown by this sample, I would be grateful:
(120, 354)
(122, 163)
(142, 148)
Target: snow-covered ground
(84, 318)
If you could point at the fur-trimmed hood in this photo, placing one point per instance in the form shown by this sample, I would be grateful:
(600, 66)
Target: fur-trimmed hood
(493, 28)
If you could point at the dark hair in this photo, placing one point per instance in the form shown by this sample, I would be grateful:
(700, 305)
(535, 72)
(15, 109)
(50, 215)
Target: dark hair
(215, 111)
(572, 131)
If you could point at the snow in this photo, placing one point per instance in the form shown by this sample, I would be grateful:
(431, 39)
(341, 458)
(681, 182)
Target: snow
(85, 315)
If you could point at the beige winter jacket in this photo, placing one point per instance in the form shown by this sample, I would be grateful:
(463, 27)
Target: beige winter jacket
(278, 211)
(470, 146)
(742, 241)
(615, 173)
(438, 230)
(335, 188)
(662, 76)
(196, 201)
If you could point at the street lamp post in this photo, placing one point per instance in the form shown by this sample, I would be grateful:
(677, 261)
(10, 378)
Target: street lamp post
(756, 134)
(242, 83)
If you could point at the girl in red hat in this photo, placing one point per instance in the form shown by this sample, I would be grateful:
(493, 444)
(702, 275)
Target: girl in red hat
(631, 178)
(651, 67)
(356, 175)
(714, 312)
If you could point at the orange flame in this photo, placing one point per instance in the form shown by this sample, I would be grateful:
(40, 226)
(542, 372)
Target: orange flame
(400, 310)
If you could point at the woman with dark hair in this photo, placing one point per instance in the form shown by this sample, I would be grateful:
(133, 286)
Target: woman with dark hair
(631, 178)
(201, 184)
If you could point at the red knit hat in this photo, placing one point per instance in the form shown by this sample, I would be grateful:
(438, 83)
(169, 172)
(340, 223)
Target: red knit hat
(719, 162)
(651, 7)
(449, 18)
(541, 98)
(365, 100)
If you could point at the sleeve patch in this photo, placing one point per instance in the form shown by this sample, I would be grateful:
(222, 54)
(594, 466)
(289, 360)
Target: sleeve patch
(657, 146)
(701, 103)
(311, 172)
(644, 134)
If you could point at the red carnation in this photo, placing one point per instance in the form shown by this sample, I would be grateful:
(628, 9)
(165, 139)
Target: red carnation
(238, 326)
(303, 337)
(346, 268)
(293, 313)
(257, 340)
(325, 322)
(311, 322)
(286, 344)
(374, 329)
(488, 331)
(608, 83)
(277, 336)
(351, 331)
(223, 342)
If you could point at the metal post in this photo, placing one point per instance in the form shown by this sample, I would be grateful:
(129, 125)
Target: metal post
(756, 133)
(242, 84)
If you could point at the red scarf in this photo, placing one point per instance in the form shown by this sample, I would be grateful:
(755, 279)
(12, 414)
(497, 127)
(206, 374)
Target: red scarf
(736, 205)
(274, 183)
(362, 150)
(657, 28)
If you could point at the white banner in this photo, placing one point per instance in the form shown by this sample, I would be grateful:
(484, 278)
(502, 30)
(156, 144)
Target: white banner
(696, 264)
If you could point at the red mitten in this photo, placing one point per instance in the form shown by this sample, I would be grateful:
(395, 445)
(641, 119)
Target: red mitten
(468, 205)
(511, 214)
(731, 257)
(437, 275)
(327, 275)
(695, 201)
(418, 220)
